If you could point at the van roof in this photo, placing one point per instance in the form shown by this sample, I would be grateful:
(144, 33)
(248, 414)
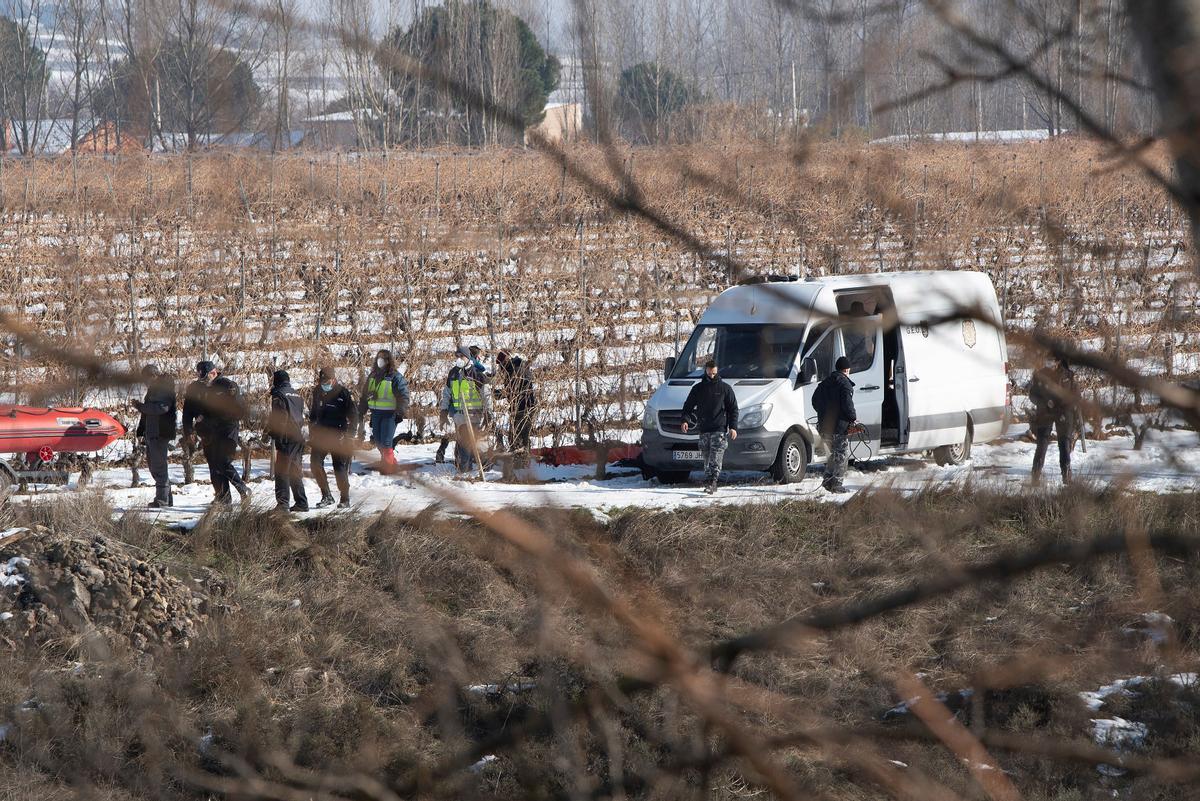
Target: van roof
(917, 295)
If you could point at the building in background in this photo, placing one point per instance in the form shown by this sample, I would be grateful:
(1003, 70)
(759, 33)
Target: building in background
(562, 123)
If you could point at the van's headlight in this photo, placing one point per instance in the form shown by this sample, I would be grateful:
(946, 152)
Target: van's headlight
(648, 417)
(754, 416)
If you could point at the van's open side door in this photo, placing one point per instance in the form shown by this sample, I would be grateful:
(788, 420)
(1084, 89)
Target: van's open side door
(862, 344)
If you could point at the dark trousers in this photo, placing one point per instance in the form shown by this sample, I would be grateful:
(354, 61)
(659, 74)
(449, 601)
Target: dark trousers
(712, 448)
(341, 472)
(289, 473)
(839, 458)
(1041, 432)
(219, 455)
(522, 428)
(156, 460)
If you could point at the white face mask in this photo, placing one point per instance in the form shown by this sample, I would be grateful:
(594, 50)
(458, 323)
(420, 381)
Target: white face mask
(460, 362)
(381, 363)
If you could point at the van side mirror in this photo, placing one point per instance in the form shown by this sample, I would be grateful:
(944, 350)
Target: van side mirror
(668, 366)
(808, 371)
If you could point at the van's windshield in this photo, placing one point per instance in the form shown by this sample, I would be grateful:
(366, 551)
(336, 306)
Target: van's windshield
(741, 351)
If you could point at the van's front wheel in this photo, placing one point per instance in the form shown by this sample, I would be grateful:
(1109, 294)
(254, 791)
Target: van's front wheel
(954, 454)
(792, 462)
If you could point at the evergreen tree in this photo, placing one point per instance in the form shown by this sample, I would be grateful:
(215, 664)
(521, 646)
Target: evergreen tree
(490, 52)
(22, 85)
(648, 96)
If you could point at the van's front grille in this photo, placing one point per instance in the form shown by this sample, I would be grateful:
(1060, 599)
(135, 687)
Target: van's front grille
(671, 421)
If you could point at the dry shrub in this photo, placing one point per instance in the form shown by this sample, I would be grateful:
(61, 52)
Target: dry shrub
(304, 260)
(347, 646)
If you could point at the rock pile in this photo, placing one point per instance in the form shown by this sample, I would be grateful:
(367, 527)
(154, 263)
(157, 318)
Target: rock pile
(93, 591)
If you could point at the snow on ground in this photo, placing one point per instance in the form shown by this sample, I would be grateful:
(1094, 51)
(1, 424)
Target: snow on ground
(1018, 135)
(1168, 462)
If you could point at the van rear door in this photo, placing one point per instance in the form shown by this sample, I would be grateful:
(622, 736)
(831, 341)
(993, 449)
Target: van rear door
(862, 344)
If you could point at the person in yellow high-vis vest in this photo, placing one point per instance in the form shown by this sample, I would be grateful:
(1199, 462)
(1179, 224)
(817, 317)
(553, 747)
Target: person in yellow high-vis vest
(463, 399)
(385, 397)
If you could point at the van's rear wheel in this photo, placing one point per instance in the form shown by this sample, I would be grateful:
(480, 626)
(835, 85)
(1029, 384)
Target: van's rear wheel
(954, 454)
(792, 462)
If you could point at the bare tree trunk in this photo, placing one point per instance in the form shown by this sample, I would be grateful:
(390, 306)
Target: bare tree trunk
(1168, 32)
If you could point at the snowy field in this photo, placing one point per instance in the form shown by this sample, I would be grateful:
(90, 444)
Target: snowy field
(1168, 462)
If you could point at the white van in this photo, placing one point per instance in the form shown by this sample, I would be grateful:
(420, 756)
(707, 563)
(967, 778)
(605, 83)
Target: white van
(918, 386)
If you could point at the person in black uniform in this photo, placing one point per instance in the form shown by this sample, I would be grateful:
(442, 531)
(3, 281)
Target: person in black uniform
(516, 384)
(833, 401)
(213, 410)
(285, 428)
(156, 427)
(711, 408)
(332, 415)
(1052, 392)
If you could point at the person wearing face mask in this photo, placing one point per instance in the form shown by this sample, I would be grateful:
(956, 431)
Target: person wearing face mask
(213, 410)
(331, 416)
(464, 400)
(385, 396)
(472, 357)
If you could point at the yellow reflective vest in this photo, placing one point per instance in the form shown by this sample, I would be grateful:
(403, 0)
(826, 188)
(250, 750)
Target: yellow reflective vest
(464, 394)
(380, 394)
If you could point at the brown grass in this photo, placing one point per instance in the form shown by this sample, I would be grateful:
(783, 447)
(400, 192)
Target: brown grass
(348, 644)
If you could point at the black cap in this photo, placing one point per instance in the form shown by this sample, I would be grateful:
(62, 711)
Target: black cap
(150, 370)
(841, 364)
(711, 364)
(325, 373)
(474, 350)
(280, 378)
(205, 367)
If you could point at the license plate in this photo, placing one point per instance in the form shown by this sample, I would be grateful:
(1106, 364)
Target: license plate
(685, 456)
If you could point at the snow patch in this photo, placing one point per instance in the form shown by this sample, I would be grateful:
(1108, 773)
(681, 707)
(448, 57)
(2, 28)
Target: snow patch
(1154, 626)
(1034, 135)
(1118, 732)
(1095, 699)
(483, 763)
(12, 575)
(500, 689)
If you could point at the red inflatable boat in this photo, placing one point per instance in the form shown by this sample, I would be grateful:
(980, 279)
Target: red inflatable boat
(45, 432)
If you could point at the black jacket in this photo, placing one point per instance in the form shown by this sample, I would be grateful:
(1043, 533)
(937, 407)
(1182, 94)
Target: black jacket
(516, 383)
(833, 401)
(286, 422)
(158, 410)
(334, 409)
(711, 406)
(213, 412)
(1052, 393)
